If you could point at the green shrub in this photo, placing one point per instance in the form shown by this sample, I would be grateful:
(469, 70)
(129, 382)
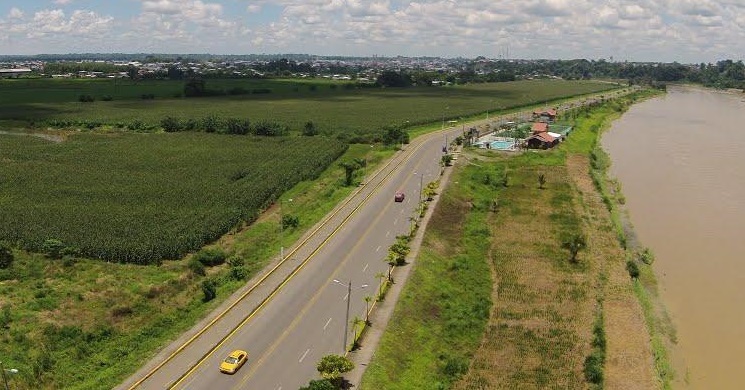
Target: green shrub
(209, 289)
(6, 255)
(196, 267)
(211, 257)
(594, 368)
(632, 268)
(53, 248)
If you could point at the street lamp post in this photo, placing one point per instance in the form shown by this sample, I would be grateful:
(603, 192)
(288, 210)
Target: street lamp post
(349, 301)
(5, 377)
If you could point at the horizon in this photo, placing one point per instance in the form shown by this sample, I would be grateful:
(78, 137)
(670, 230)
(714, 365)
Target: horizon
(683, 31)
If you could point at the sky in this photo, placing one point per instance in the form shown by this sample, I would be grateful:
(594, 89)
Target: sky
(687, 31)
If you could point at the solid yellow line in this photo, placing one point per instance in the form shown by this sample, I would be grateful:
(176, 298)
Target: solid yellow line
(310, 302)
(282, 261)
(286, 280)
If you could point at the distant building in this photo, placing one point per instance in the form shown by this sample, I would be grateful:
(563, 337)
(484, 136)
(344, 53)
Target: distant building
(545, 115)
(13, 73)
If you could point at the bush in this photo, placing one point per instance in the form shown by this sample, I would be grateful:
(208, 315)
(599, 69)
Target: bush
(289, 221)
(646, 256)
(209, 289)
(53, 248)
(211, 257)
(594, 368)
(196, 267)
(6, 255)
(107, 98)
(86, 99)
(633, 269)
(171, 124)
(238, 273)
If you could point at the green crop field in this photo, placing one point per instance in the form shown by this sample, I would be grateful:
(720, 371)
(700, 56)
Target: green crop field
(334, 108)
(144, 197)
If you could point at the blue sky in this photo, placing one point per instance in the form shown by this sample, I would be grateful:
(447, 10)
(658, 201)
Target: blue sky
(688, 31)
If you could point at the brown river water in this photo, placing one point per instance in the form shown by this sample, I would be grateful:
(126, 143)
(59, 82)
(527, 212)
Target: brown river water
(681, 163)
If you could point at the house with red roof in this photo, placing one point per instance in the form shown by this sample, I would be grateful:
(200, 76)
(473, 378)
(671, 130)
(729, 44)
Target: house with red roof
(541, 140)
(540, 127)
(545, 115)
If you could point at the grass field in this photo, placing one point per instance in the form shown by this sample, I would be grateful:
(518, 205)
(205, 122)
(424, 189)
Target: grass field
(87, 324)
(548, 315)
(356, 112)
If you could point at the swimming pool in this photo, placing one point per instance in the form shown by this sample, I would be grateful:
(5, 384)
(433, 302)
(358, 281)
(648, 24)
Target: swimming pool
(502, 145)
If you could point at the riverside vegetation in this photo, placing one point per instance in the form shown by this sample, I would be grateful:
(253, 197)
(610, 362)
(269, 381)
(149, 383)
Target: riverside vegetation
(495, 302)
(79, 323)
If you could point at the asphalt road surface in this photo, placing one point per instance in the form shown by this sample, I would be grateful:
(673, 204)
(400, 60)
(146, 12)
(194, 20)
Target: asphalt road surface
(295, 313)
(298, 313)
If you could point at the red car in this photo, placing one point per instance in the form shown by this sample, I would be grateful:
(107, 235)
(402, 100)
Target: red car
(399, 197)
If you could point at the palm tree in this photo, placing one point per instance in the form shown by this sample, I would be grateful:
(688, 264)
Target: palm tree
(380, 276)
(541, 180)
(368, 299)
(574, 243)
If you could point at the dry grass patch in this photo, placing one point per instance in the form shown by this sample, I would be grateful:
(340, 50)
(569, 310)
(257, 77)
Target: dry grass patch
(539, 331)
(629, 362)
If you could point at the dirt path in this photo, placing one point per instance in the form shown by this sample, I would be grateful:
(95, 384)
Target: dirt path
(629, 360)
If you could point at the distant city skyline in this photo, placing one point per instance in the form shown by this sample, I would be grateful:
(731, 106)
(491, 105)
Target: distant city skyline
(688, 31)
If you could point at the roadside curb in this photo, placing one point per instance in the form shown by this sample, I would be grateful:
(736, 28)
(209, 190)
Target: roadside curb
(384, 310)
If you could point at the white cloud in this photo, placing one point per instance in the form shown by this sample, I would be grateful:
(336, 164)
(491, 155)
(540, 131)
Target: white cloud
(15, 13)
(683, 30)
(62, 2)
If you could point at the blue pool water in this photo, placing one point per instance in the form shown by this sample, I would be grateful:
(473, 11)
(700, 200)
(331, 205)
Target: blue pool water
(503, 145)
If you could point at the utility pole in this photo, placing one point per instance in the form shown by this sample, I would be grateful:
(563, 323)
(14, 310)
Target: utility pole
(346, 323)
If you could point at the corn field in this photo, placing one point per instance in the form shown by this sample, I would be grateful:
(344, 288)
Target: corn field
(141, 198)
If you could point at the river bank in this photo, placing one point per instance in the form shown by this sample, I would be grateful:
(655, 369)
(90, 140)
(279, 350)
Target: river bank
(677, 158)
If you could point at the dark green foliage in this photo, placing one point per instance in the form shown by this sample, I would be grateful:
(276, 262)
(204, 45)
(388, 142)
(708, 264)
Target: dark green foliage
(238, 273)
(332, 367)
(594, 368)
(319, 384)
(574, 243)
(395, 135)
(6, 255)
(196, 266)
(195, 88)
(147, 96)
(211, 123)
(446, 160)
(86, 99)
(237, 126)
(633, 269)
(209, 289)
(53, 248)
(290, 221)
(149, 197)
(211, 257)
(391, 78)
(270, 129)
(310, 129)
(107, 98)
(171, 124)
(455, 367)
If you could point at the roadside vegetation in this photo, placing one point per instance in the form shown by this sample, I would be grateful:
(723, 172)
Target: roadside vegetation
(561, 309)
(74, 322)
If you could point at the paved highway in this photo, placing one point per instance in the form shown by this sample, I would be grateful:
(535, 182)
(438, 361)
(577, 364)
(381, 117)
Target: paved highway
(297, 314)
(294, 314)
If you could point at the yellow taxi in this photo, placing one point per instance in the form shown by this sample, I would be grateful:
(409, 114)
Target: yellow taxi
(234, 361)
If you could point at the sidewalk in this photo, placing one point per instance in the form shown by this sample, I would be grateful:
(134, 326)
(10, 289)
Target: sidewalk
(383, 311)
